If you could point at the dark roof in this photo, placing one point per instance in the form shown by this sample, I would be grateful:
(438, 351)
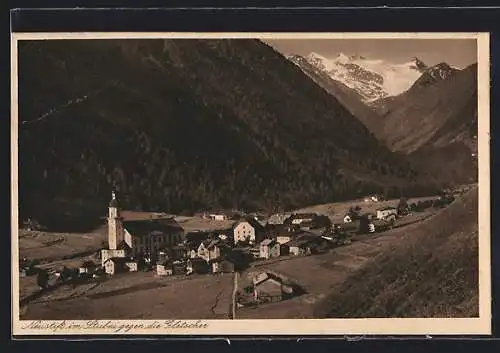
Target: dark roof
(268, 242)
(119, 260)
(269, 286)
(300, 242)
(387, 208)
(254, 223)
(113, 203)
(140, 228)
(123, 246)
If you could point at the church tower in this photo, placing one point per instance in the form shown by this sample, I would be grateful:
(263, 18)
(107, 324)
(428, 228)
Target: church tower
(115, 226)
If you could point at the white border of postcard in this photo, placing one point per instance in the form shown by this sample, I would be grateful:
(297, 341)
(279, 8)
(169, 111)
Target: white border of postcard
(379, 326)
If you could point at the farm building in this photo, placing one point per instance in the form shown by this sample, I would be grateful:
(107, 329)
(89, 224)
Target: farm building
(387, 212)
(299, 247)
(269, 248)
(268, 288)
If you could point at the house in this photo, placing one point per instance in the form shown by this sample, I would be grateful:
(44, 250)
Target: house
(141, 236)
(222, 265)
(269, 248)
(387, 213)
(192, 249)
(267, 288)
(300, 246)
(259, 229)
(196, 236)
(299, 218)
(243, 232)
(218, 217)
(347, 218)
(87, 267)
(122, 250)
(165, 268)
(278, 218)
(119, 264)
(197, 265)
(211, 249)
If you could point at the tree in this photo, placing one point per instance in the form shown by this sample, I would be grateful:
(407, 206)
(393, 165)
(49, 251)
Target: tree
(403, 206)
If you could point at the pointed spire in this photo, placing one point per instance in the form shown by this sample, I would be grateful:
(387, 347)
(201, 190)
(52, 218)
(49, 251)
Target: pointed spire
(114, 200)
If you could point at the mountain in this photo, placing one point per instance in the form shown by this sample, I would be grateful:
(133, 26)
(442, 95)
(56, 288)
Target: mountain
(431, 272)
(348, 97)
(183, 125)
(435, 121)
(371, 79)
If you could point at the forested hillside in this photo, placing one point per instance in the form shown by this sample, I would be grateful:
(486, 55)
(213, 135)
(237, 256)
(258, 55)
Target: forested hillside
(181, 125)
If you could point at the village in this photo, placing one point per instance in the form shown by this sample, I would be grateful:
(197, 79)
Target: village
(228, 242)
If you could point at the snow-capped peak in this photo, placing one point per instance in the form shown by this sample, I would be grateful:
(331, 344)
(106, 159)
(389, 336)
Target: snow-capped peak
(371, 78)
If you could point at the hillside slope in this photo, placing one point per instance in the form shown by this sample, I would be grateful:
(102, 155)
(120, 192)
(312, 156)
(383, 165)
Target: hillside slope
(432, 272)
(432, 113)
(347, 96)
(180, 125)
(435, 123)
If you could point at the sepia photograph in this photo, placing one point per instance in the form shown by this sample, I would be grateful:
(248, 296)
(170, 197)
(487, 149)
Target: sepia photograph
(250, 183)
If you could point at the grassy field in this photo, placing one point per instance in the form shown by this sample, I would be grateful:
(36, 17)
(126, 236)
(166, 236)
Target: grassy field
(432, 272)
(325, 278)
(140, 295)
(353, 280)
(336, 211)
(318, 274)
(48, 247)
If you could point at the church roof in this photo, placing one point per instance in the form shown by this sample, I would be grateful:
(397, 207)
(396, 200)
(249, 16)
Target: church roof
(151, 227)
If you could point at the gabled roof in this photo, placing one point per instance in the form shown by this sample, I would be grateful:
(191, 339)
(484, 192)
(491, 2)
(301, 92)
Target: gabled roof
(254, 223)
(154, 227)
(119, 260)
(268, 242)
(123, 246)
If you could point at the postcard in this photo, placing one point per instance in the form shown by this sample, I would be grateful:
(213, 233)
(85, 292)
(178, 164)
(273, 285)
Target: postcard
(250, 184)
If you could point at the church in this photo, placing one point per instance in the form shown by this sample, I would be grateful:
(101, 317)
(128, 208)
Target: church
(134, 239)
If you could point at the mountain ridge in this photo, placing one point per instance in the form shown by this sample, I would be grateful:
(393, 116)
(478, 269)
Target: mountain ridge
(154, 118)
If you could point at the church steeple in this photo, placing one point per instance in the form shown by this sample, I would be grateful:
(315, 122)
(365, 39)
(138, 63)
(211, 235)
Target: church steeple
(115, 226)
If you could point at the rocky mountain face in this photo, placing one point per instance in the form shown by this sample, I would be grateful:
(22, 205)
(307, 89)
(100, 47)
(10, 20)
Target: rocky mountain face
(182, 125)
(433, 119)
(347, 96)
(370, 79)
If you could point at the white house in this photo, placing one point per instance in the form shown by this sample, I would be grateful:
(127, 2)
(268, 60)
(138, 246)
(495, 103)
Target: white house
(278, 218)
(115, 265)
(243, 231)
(347, 219)
(218, 217)
(386, 212)
(164, 269)
(269, 248)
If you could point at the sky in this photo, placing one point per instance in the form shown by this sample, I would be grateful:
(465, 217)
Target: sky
(455, 52)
